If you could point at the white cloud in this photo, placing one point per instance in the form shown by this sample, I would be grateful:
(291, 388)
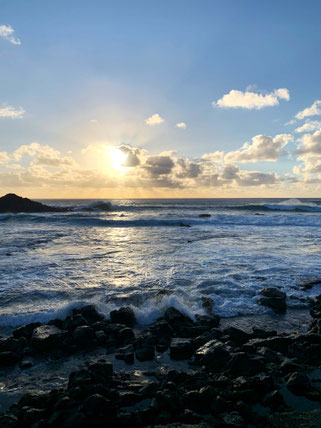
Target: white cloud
(313, 110)
(181, 125)
(216, 157)
(251, 100)
(13, 113)
(4, 157)
(309, 126)
(155, 119)
(43, 155)
(263, 148)
(6, 32)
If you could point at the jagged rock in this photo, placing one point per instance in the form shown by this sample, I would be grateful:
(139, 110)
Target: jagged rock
(299, 384)
(126, 354)
(239, 337)
(124, 315)
(126, 336)
(84, 336)
(243, 364)
(16, 204)
(181, 349)
(214, 354)
(89, 313)
(47, 337)
(25, 330)
(273, 298)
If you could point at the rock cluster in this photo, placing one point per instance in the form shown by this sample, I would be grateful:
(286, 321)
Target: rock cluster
(237, 378)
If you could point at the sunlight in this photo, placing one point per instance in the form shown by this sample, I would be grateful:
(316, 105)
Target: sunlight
(117, 157)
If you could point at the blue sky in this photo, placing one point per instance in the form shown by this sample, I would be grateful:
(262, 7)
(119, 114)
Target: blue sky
(89, 74)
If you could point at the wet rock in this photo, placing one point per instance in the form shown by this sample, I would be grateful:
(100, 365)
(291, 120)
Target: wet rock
(315, 310)
(145, 353)
(181, 349)
(101, 371)
(98, 405)
(162, 329)
(208, 321)
(308, 283)
(71, 323)
(124, 315)
(277, 343)
(47, 337)
(126, 354)
(232, 420)
(25, 364)
(126, 336)
(8, 358)
(207, 304)
(239, 337)
(204, 215)
(243, 364)
(263, 334)
(8, 421)
(84, 336)
(100, 336)
(299, 384)
(213, 354)
(269, 355)
(177, 320)
(273, 298)
(90, 314)
(25, 330)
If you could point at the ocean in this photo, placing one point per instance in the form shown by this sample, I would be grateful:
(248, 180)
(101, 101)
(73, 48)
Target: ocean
(154, 253)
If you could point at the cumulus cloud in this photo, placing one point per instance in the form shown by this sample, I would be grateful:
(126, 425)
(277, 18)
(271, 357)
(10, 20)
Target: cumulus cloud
(251, 100)
(263, 148)
(13, 113)
(7, 33)
(158, 165)
(43, 155)
(181, 125)
(216, 157)
(133, 155)
(311, 144)
(309, 126)
(44, 166)
(4, 157)
(155, 119)
(313, 110)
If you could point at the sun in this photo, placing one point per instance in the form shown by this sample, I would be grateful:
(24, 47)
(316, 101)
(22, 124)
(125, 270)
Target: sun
(117, 157)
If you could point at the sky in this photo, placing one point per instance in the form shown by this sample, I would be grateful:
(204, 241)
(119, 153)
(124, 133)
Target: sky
(146, 99)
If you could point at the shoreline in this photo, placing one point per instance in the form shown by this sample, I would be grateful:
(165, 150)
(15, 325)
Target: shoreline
(207, 359)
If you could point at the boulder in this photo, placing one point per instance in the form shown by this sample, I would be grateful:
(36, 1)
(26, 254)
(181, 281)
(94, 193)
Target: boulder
(181, 349)
(214, 354)
(8, 358)
(89, 313)
(84, 336)
(47, 337)
(239, 337)
(273, 298)
(25, 330)
(126, 354)
(124, 315)
(204, 215)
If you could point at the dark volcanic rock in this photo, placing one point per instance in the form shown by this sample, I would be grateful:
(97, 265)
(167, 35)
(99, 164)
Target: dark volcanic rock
(47, 337)
(25, 330)
(123, 315)
(181, 349)
(8, 357)
(214, 354)
(84, 335)
(204, 215)
(16, 204)
(89, 313)
(273, 298)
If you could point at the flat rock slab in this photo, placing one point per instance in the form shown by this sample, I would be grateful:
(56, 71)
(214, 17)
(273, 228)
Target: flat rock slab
(47, 336)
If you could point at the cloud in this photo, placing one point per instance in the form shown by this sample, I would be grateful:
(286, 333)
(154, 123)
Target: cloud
(155, 119)
(4, 157)
(43, 155)
(13, 113)
(216, 157)
(6, 32)
(313, 110)
(251, 100)
(263, 148)
(133, 155)
(309, 126)
(181, 125)
(311, 144)
(158, 165)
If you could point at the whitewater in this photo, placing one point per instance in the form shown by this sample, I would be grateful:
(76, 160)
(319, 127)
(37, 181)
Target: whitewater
(151, 254)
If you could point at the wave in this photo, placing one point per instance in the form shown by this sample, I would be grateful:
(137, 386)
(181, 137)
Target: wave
(288, 205)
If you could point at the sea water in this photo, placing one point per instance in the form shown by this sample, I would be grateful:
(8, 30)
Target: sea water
(152, 254)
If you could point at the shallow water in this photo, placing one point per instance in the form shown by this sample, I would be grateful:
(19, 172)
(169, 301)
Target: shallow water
(140, 254)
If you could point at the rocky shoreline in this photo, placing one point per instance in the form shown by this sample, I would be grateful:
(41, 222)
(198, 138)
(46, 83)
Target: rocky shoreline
(214, 376)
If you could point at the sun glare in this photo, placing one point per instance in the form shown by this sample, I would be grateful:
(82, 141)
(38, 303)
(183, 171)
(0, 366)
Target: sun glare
(117, 157)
